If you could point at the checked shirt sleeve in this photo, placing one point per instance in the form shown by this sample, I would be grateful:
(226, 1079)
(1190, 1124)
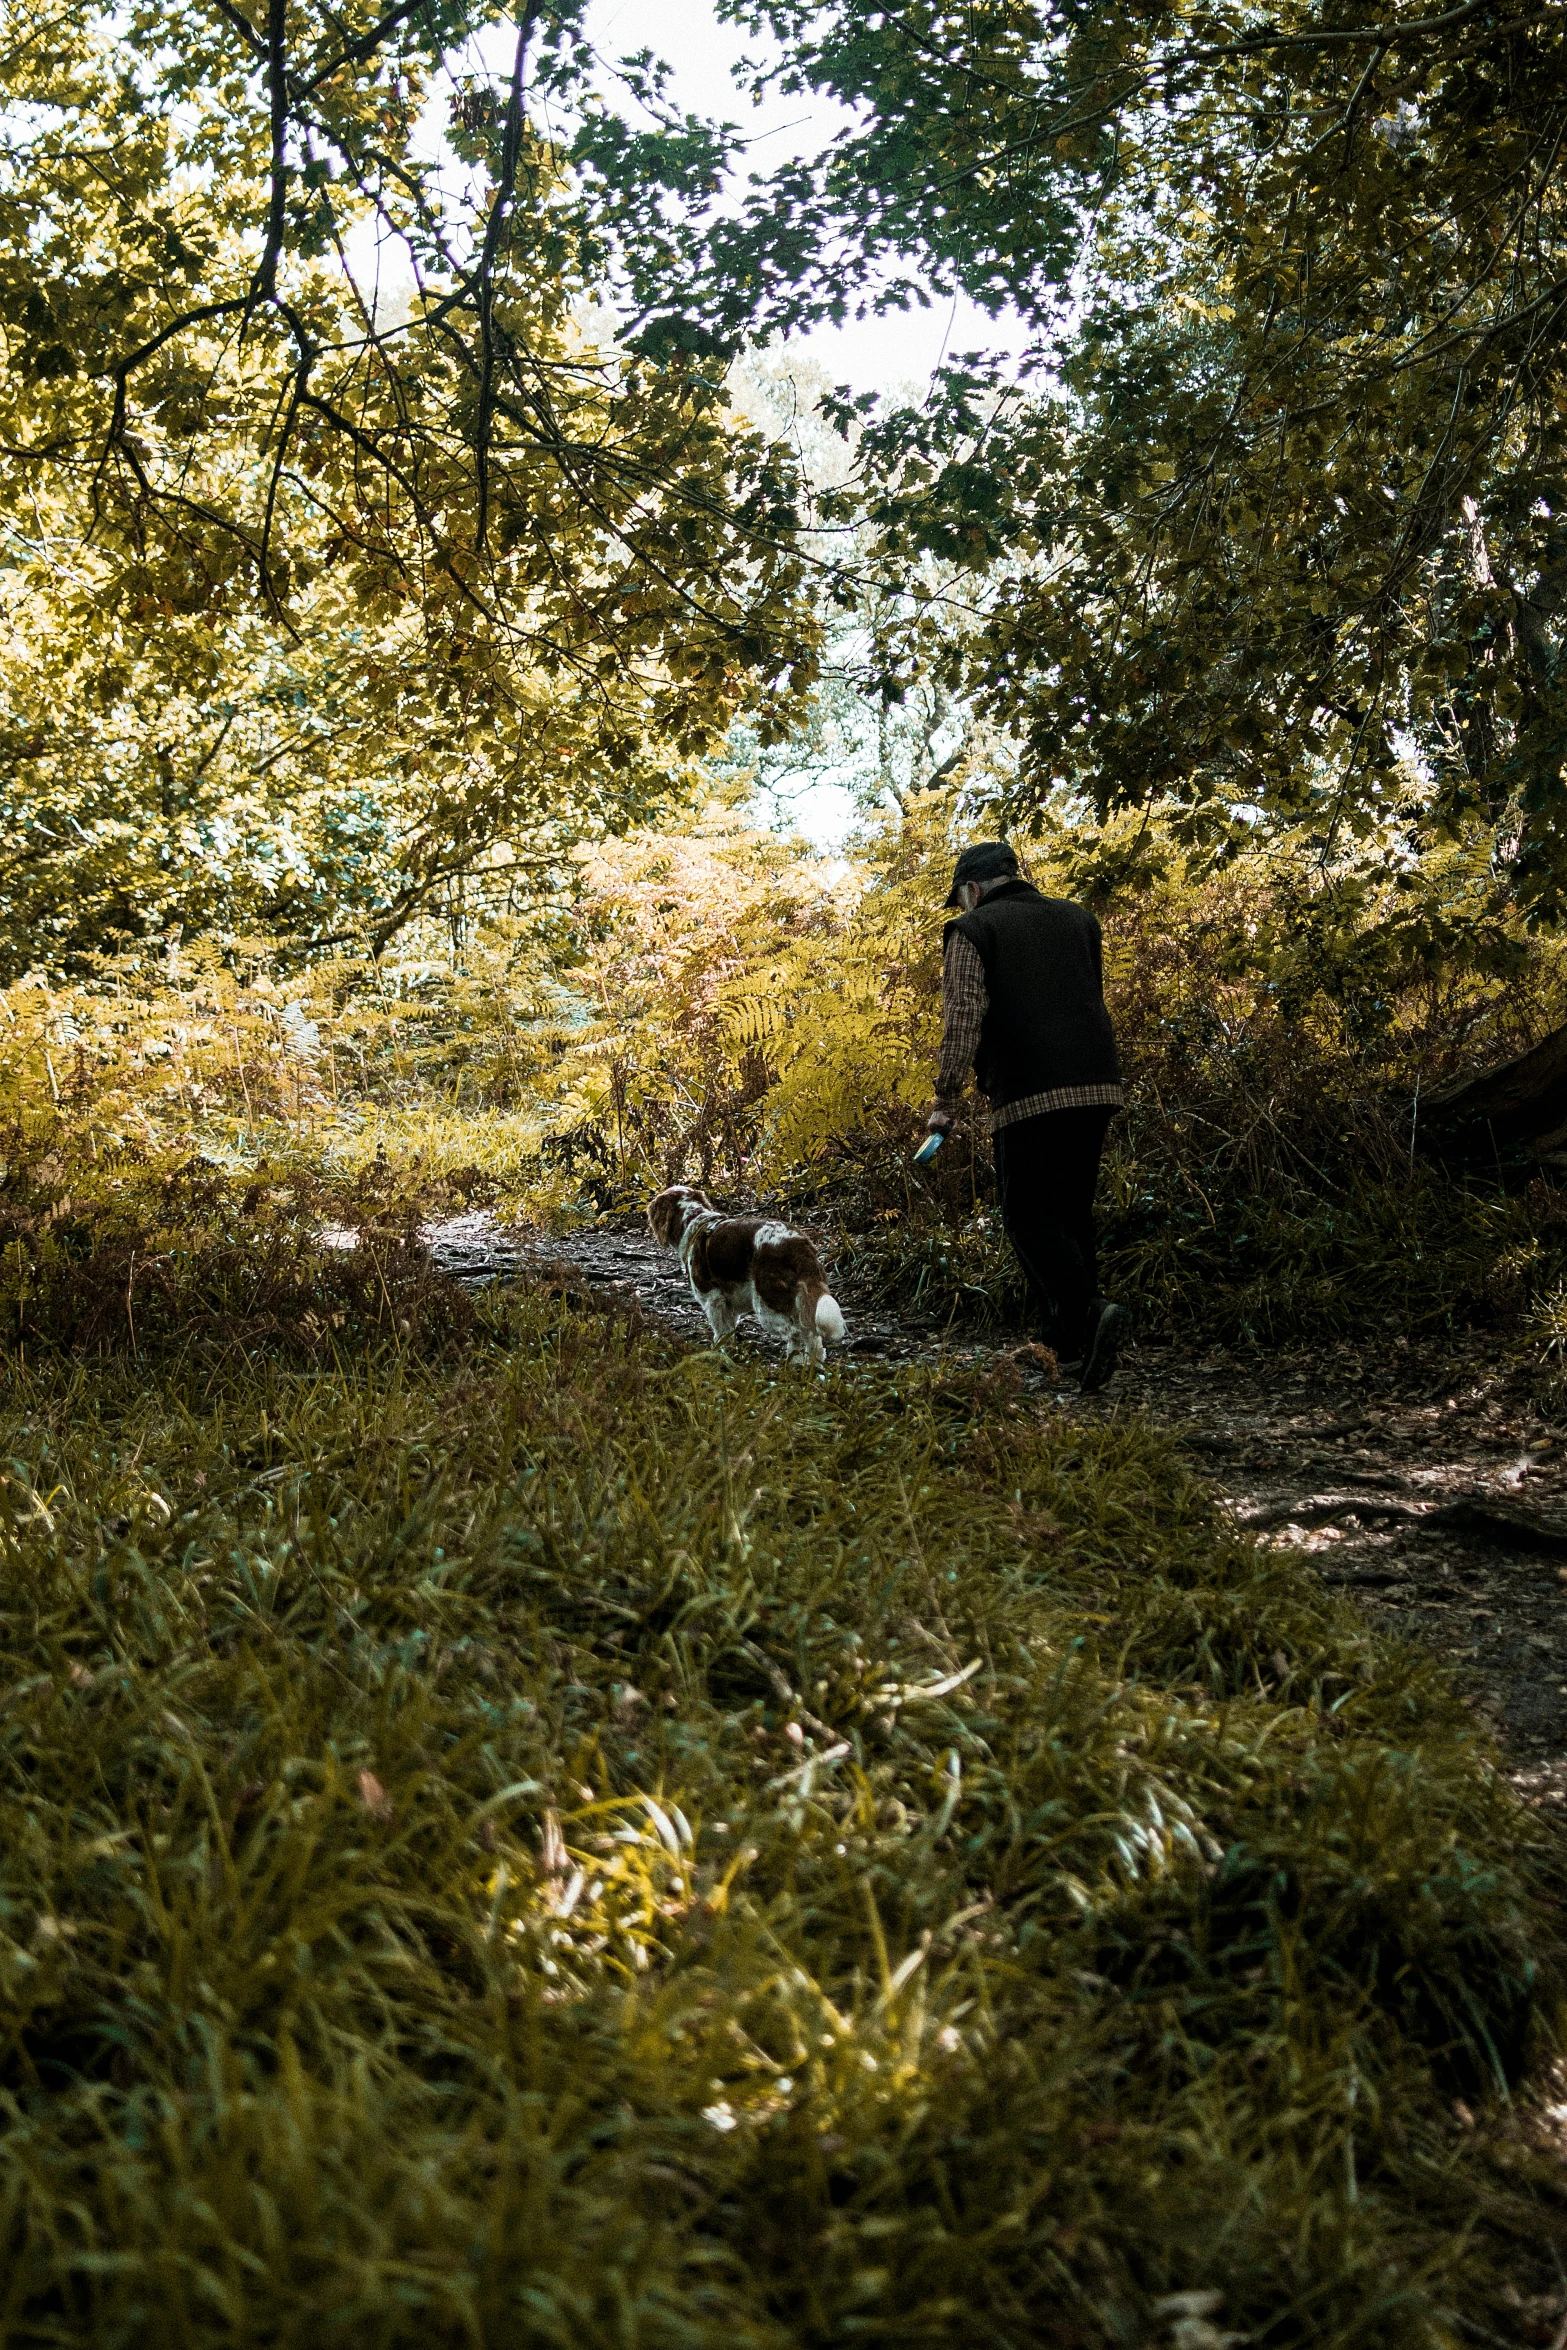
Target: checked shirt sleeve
(964, 1003)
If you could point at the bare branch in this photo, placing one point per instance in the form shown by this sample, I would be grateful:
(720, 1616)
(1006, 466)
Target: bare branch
(264, 286)
(360, 51)
(511, 149)
(243, 26)
(1386, 36)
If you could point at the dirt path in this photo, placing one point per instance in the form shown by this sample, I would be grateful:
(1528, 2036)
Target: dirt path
(1408, 1472)
(1413, 1475)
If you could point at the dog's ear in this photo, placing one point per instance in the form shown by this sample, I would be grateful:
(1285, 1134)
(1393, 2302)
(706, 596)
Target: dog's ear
(663, 1215)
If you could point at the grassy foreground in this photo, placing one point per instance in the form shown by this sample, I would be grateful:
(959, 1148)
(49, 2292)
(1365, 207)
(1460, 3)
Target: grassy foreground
(576, 1842)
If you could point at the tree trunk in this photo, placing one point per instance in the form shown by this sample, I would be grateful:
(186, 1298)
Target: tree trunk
(1519, 1106)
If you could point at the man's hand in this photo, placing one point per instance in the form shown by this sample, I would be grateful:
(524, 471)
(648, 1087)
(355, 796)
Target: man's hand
(939, 1122)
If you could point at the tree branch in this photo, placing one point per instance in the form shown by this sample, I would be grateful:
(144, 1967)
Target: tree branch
(1386, 36)
(264, 284)
(243, 26)
(511, 149)
(358, 52)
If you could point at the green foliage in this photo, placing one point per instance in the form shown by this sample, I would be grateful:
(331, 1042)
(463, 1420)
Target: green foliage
(620, 1845)
(1281, 1030)
(1281, 483)
(332, 595)
(667, 929)
(1278, 1029)
(741, 1006)
(510, 1830)
(211, 775)
(717, 1005)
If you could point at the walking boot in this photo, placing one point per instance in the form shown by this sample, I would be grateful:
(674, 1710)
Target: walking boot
(1110, 1327)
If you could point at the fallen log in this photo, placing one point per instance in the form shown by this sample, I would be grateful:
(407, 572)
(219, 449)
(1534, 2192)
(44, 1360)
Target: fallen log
(1519, 1107)
(1326, 1509)
(1471, 1517)
(1513, 1525)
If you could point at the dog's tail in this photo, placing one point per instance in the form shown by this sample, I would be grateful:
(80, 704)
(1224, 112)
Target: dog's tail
(829, 1317)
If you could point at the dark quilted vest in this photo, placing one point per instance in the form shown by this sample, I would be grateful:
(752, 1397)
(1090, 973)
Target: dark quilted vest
(1044, 974)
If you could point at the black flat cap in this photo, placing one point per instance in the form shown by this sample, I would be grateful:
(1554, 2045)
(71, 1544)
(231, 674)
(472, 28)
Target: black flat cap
(987, 860)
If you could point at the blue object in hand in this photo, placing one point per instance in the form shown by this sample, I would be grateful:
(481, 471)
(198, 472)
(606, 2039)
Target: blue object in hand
(928, 1149)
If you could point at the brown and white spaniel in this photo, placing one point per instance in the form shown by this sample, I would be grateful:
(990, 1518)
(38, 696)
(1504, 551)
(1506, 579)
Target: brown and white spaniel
(748, 1265)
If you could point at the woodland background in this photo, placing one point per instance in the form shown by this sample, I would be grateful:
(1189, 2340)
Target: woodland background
(516, 1830)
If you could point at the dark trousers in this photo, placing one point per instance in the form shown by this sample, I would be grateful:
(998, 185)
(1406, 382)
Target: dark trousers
(1046, 1169)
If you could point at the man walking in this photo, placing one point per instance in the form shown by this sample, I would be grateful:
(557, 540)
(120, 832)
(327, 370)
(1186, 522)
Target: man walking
(1022, 998)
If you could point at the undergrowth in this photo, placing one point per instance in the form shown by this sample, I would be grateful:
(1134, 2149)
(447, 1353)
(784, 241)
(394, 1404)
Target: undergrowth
(573, 1841)
(1280, 1026)
(1425, 1253)
(140, 1262)
(717, 1005)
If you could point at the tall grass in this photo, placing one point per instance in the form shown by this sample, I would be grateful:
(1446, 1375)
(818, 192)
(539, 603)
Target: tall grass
(1278, 1030)
(724, 1008)
(1424, 1252)
(572, 1841)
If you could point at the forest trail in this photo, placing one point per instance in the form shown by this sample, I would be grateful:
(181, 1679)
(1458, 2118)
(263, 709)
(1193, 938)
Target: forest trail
(1405, 1471)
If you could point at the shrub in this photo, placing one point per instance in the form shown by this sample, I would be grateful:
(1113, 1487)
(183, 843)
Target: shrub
(599, 1843)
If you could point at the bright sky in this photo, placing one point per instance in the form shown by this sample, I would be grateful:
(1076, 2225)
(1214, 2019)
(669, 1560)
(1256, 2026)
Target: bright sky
(873, 354)
(899, 352)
